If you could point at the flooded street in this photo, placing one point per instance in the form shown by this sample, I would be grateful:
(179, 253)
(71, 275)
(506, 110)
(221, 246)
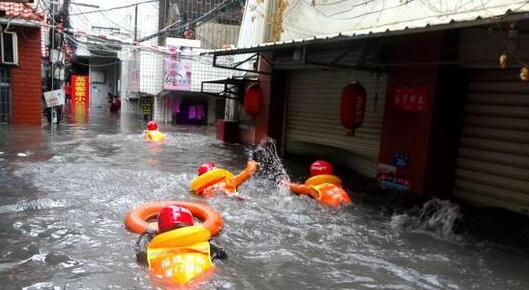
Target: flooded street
(66, 190)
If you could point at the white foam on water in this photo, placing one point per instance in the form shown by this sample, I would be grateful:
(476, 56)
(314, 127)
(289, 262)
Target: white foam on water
(436, 218)
(42, 285)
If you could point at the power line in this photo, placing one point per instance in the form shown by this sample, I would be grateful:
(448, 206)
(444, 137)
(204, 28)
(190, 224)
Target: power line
(88, 23)
(338, 2)
(114, 8)
(96, 65)
(220, 7)
(354, 29)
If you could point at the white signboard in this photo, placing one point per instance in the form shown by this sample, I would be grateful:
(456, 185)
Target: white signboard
(178, 65)
(177, 69)
(54, 98)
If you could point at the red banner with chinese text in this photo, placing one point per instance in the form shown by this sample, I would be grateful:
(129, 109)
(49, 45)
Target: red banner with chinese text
(412, 99)
(80, 90)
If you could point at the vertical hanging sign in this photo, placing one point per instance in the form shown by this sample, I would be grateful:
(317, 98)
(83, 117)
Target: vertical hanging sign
(177, 69)
(80, 90)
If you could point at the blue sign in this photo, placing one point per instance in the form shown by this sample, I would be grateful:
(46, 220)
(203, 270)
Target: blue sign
(401, 160)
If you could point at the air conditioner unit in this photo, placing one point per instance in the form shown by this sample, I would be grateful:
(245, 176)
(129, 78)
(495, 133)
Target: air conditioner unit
(9, 47)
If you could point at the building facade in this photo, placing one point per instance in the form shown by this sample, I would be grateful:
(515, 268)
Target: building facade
(187, 29)
(20, 67)
(446, 91)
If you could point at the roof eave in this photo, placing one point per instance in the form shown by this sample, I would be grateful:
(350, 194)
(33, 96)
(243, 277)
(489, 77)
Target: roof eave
(264, 47)
(20, 22)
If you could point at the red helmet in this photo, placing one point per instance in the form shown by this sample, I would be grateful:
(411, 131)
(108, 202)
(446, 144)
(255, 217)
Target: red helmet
(152, 126)
(174, 216)
(205, 167)
(320, 167)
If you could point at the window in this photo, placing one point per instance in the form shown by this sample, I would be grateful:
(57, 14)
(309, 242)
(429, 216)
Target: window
(5, 95)
(9, 48)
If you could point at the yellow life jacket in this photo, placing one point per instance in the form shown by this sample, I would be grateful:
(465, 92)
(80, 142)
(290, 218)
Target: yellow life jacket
(180, 255)
(155, 136)
(212, 177)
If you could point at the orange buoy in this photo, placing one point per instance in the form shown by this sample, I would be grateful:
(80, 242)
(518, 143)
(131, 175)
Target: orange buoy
(137, 219)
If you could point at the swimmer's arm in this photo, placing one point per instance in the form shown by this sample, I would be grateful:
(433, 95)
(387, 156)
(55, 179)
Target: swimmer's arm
(302, 189)
(251, 168)
(217, 252)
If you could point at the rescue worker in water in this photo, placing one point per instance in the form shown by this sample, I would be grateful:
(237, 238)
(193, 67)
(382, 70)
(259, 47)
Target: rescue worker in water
(323, 185)
(180, 251)
(152, 133)
(212, 180)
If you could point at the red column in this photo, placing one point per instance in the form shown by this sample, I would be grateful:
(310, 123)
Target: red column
(406, 135)
(269, 122)
(26, 78)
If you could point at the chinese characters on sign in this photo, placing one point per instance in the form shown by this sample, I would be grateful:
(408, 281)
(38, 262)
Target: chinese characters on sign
(390, 179)
(177, 69)
(411, 99)
(394, 182)
(80, 91)
(360, 108)
(54, 98)
(80, 94)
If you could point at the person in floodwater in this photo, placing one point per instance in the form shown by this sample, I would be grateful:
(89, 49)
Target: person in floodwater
(115, 104)
(323, 185)
(180, 251)
(152, 133)
(212, 180)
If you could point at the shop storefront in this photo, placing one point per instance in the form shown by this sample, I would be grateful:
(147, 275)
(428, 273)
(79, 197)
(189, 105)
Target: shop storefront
(440, 120)
(313, 117)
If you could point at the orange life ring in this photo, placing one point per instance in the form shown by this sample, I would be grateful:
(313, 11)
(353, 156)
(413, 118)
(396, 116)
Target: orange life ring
(136, 220)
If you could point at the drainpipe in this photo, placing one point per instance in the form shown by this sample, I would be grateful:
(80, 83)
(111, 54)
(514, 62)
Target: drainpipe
(232, 106)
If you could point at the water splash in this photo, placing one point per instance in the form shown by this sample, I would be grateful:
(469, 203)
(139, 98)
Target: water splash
(438, 218)
(271, 166)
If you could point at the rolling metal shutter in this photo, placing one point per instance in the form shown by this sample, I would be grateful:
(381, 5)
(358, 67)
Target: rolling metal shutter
(313, 116)
(493, 163)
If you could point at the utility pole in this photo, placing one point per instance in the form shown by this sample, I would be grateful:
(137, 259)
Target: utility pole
(136, 22)
(52, 5)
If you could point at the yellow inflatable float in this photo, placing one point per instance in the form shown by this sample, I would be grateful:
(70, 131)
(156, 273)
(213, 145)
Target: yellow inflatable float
(180, 253)
(323, 185)
(211, 179)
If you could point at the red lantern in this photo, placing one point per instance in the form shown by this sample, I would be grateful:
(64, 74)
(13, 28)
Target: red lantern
(352, 105)
(253, 99)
